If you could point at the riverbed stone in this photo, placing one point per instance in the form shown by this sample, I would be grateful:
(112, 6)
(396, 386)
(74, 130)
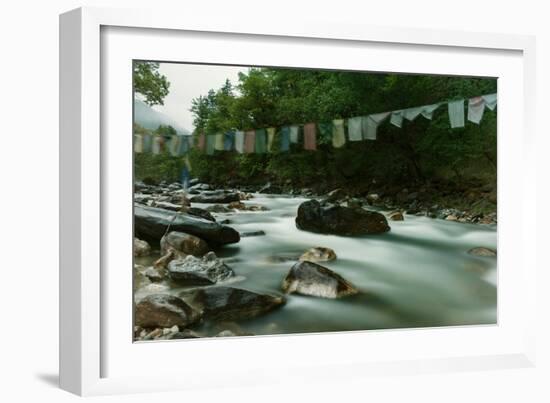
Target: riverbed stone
(229, 303)
(164, 310)
(141, 248)
(183, 243)
(318, 254)
(151, 224)
(482, 251)
(339, 220)
(396, 216)
(192, 270)
(308, 278)
(252, 233)
(216, 197)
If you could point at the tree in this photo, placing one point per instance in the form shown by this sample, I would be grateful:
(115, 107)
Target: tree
(148, 82)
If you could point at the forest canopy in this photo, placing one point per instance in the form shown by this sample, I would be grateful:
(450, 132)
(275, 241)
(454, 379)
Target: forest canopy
(273, 97)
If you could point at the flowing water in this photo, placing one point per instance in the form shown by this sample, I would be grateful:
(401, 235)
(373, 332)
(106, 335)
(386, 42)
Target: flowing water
(417, 275)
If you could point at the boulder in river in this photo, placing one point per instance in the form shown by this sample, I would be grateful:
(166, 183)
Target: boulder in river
(201, 213)
(191, 270)
(163, 310)
(216, 197)
(339, 220)
(396, 216)
(228, 303)
(482, 251)
(141, 248)
(186, 244)
(151, 224)
(318, 254)
(309, 278)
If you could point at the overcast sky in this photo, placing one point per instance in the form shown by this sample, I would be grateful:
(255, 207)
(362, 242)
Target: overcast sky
(188, 81)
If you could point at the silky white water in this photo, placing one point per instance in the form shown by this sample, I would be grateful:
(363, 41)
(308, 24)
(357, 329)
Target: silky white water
(417, 275)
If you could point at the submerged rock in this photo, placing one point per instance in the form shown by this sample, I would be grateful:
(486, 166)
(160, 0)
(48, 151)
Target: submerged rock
(183, 243)
(141, 248)
(151, 224)
(482, 251)
(163, 310)
(216, 197)
(252, 233)
(318, 254)
(191, 270)
(228, 303)
(339, 220)
(309, 278)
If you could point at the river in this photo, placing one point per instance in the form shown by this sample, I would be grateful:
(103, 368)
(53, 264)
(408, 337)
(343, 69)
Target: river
(417, 275)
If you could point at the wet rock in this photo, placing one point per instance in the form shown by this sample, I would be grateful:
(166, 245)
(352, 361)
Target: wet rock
(231, 333)
(373, 198)
(228, 303)
(246, 207)
(153, 274)
(200, 186)
(482, 251)
(141, 248)
(270, 189)
(186, 244)
(396, 216)
(284, 257)
(191, 270)
(163, 310)
(216, 197)
(218, 208)
(184, 334)
(309, 278)
(252, 233)
(336, 195)
(339, 220)
(201, 213)
(151, 224)
(167, 205)
(451, 217)
(318, 254)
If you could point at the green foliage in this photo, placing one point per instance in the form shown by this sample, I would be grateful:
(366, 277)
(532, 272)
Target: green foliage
(419, 151)
(150, 83)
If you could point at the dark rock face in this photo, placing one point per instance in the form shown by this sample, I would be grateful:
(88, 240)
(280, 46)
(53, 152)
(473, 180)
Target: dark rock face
(309, 278)
(481, 251)
(396, 216)
(216, 197)
(339, 220)
(228, 303)
(194, 271)
(162, 310)
(151, 223)
(183, 243)
(201, 213)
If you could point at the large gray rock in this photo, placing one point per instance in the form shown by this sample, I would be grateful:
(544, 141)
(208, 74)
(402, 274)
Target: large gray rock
(339, 220)
(191, 270)
(228, 303)
(318, 254)
(186, 244)
(163, 310)
(151, 223)
(141, 248)
(216, 197)
(309, 278)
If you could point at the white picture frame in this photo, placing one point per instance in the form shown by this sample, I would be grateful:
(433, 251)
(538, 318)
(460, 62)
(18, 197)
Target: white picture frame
(95, 359)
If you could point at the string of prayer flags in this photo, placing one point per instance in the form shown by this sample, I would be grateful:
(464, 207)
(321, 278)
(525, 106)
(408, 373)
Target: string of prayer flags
(218, 142)
(396, 118)
(239, 141)
(294, 134)
(228, 140)
(158, 145)
(428, 110)
(476, 107)
(325, 132)
(355, 128)
(456, 113)
(261, 141)
(370, 124)
(138, 143)
(285, 138)
(310, 137)
(338, 133)
(490, 101)
(249, 141)
(412, 113)
(201, 142)
(270, 139)
(210, 144)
